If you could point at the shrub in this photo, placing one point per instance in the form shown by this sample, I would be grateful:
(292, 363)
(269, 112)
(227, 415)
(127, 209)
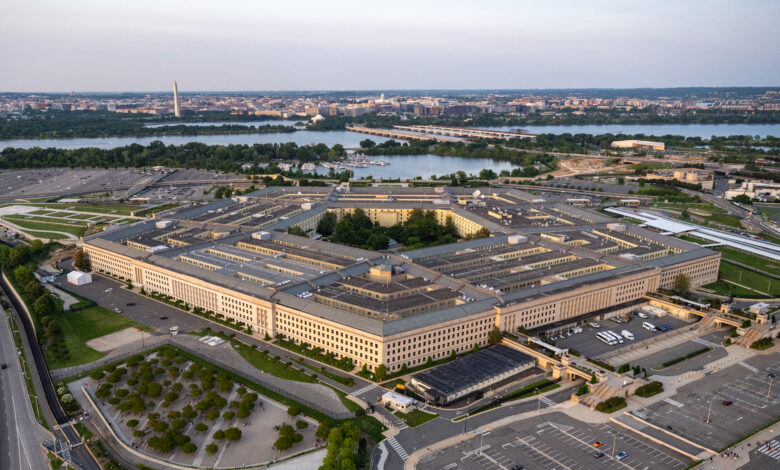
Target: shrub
(201, 427)
(232, 434)
(648, 390)
(212, 449)
(611, 404)
(219, 434)
(139, 433)
(212, 415)
(229, 415)
(132, 423)
(301, 424)
(293, 411)
(582, 390)
(189, 448)
(763, 343)
(283, 443)
(97, 375)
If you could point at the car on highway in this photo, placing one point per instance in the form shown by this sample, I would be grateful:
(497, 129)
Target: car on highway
(163, 318)
(598, 454)
(727, 402)
(598, 444)
(621, 455)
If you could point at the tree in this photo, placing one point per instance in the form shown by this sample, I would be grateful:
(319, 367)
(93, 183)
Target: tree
(742, 199)
(593, 379)
(495, 336)
(682, 284)
(189, 448)
(327, 224)
(232, 434)
(81, 261)
(296, 230)
(293, 411)
(212, 448)
(380, 372)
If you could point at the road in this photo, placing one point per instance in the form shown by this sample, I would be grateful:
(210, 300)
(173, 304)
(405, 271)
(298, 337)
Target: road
(20, 443)
(62, 428)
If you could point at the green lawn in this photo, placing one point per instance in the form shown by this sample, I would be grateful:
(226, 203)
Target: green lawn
(415, 417)
(50, 220)
(750, 260)
(692, 239)
(49, 235)
(123, 209)
(704, 206)
(730, 220)
(46, 226)
(724, 288)
(268, 364)
(77, 328)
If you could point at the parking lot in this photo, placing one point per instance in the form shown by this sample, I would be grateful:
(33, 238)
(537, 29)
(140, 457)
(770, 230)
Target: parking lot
(656, 360)
(746, 385)
(555, 441)
(63, 181)
(590, 346)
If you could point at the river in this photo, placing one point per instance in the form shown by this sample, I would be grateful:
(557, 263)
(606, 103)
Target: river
(352, 140)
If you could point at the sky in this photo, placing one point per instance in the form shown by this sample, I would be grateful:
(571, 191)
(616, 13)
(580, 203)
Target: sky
(234, 45)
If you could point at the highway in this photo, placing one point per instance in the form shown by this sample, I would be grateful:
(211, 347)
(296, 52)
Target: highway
(20, 443)
(62, 429)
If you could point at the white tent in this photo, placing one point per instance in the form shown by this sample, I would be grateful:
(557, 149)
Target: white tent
(79, 278)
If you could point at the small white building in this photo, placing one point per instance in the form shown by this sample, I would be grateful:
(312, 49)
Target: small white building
(79, 278)
(398, 402)
(759, 308)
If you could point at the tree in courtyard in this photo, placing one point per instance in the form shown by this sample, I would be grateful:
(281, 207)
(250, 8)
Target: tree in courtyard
(682, 284)
(327, 224)
(495, 336)
(296, 230)
(742, 199)
(380, 372)
(212, 448)
(81, 261)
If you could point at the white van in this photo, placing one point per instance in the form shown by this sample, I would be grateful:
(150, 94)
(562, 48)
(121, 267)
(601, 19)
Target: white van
(628, 335)
(648, 326)
(594, 324)
(641, 315)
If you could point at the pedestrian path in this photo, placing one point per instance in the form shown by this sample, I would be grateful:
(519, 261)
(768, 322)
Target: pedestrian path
(704, 342)
(771, 448)
(398, 448)
(365, 389)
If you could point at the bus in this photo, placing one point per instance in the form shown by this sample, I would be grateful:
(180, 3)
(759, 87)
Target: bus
(606, 339)
(614, 336)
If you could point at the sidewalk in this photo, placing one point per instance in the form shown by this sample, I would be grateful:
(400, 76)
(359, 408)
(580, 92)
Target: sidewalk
(719, 462)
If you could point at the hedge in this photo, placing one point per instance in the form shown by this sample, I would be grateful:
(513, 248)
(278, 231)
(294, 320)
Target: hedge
(648, 390)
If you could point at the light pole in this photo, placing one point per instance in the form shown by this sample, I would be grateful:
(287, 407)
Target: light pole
(538, 400)
(481, 440)
(142, 337)
(614, 443)
(769, 392)
(709, 410)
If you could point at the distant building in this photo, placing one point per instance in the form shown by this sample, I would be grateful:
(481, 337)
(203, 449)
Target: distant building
(79, 278)
(176, 108)
(639, 144)
(45, 276)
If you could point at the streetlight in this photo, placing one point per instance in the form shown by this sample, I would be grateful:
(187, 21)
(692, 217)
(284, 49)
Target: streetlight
(771, 379)
(709, 410)
(614, 443)
(538, 401)
(142, 337)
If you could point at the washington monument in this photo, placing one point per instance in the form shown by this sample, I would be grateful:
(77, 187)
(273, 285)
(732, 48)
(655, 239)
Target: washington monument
(176, 109)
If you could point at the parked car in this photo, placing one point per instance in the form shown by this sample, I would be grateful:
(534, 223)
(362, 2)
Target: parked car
(663, 328)
(598, 444)
(727, 402)
(117, 310)
(641, 314)
(163, 318)
(598, 454)
(621, 455)
(595, 325)
(130, 304)
(4, 366)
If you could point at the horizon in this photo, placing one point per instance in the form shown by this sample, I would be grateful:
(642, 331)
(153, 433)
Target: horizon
(348, 45)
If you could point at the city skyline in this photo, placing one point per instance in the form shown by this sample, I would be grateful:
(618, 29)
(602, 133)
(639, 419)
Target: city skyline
(108, 46)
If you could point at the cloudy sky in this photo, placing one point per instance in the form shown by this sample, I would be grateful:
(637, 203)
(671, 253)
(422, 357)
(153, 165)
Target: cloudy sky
(142, 45)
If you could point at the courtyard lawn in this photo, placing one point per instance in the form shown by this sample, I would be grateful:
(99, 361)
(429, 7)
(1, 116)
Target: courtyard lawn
(268, 364)
(124, 209)
(725, 288)
(76, 328)
(49, 235)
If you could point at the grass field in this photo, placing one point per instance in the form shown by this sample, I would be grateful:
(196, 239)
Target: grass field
(46, 226)
(49, 235)
(415, 417)
(704, 206)
(51, 220)
(692, 239)
(79, 327)
(267, 364)
(123, 209)
(730, 220)
(724, 288)
(761, 283)
(751, 260)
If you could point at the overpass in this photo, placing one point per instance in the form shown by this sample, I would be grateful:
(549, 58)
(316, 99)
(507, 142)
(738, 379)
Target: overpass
(399, 134)
(467, 132)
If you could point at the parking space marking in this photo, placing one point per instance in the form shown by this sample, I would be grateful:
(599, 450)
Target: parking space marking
(748, 366)
(672, 402)
(537, 449)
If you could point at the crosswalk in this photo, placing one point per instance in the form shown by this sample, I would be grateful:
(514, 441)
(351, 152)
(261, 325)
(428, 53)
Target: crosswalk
(771, 448)
(398, 449)
(363, 390)
(547, 401)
